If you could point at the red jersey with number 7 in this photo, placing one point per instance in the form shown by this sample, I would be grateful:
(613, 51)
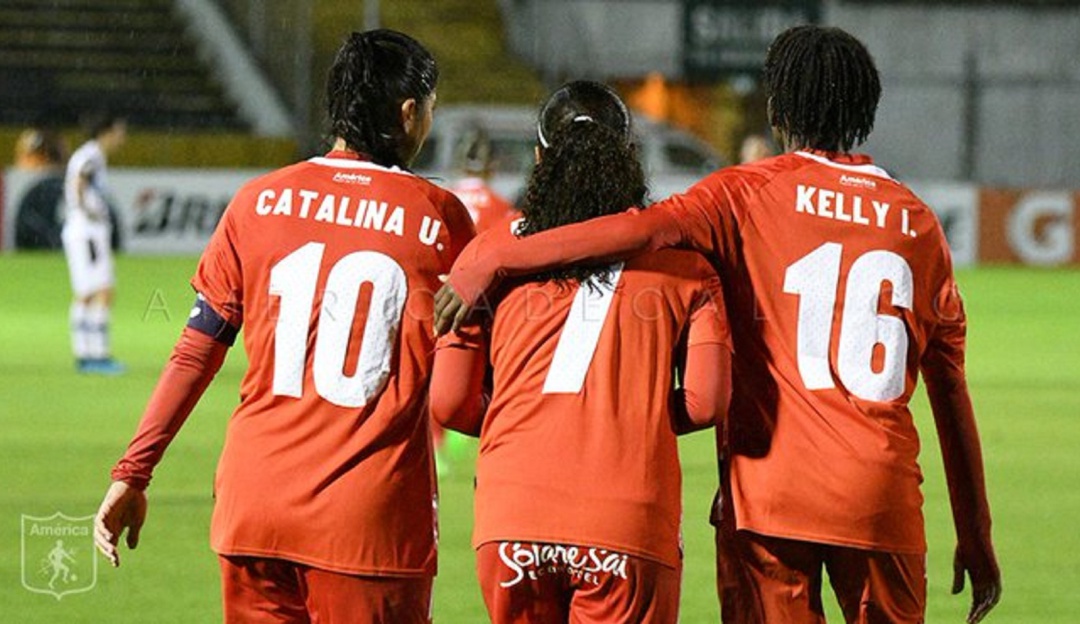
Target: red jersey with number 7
(331, 265)
(839, 282)
(578, 445)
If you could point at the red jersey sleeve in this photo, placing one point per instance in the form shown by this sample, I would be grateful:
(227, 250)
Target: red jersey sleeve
(706, 380)
(942, 367)
(702, 219)
(219, 277)
(456, 398)
(195, 361)
(458, 222)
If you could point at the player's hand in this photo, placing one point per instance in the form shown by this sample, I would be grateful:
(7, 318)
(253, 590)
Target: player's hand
(124, 507)
(450, 310)
(985, 583)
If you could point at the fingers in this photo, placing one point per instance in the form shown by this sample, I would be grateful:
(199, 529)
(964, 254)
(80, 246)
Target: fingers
(983, 600)
(450, 310)
(958, 574)
(442, 316)
(459, 317)
(105, 540)
(133, 535)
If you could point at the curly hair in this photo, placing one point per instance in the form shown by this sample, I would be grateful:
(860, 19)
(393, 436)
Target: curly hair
(588, 167)
(373, 73)
(823, 88)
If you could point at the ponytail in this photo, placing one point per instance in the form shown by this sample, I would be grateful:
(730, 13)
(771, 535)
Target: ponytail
(588, 167)
(373, 74)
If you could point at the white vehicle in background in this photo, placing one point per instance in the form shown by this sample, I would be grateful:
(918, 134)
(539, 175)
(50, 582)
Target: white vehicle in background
(673, 159)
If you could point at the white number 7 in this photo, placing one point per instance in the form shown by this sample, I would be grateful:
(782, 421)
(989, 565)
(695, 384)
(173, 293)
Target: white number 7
(580, 335)
(814, 278)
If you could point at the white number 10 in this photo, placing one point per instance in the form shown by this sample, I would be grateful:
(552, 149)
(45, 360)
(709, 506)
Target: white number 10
(293, 279)
(815, 278)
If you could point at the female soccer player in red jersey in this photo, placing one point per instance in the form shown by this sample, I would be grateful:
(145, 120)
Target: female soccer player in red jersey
(840, 288)
(578, 482)
(324, 495)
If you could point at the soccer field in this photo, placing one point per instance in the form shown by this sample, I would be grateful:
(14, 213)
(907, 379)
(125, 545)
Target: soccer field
(60, 433)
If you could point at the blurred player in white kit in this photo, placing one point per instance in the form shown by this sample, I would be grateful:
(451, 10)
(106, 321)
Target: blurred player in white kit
(87, 235)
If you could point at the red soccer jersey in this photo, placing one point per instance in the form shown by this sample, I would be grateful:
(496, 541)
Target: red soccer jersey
(578, 445)
(838, 281)
(485, 206)
(330, 264)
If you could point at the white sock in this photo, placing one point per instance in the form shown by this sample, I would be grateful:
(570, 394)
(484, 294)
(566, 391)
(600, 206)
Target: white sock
(97, 323)
(80, 337)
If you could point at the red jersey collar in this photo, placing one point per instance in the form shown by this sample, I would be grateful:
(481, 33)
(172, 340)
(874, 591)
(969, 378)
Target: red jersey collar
(840, 158)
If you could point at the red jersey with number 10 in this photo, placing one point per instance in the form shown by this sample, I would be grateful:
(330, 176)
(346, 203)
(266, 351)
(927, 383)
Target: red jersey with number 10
(331, 266)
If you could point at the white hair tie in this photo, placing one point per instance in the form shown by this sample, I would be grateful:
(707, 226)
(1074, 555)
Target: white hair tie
(540, 129)
(540, 135)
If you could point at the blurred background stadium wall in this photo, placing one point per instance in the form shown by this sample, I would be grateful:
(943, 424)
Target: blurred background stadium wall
(978, 94)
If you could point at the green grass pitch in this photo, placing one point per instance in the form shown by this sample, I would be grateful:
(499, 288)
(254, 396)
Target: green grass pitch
(60, 433)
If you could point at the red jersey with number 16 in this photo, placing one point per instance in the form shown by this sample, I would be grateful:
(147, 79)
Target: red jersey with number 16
(331, 265)
(840, 287)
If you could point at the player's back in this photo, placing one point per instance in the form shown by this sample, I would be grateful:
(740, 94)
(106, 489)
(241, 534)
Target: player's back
(836, 278)
(577, 445)
(331, 263)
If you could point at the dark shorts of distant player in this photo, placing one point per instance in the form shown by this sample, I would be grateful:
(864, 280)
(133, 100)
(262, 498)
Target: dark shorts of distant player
(533, 583)
(258, 590)
(764, 579)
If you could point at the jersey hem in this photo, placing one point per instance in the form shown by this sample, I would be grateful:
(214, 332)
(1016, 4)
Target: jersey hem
(322, 565)
(834, 541)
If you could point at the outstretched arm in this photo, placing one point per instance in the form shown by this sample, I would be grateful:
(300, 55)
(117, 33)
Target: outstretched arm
(195, 361)
(689, 220)
(943, 372)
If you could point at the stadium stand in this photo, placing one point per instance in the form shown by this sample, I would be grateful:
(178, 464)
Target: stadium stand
(60, 58)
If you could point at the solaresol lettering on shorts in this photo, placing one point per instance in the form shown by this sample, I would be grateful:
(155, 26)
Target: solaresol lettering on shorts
(531, 560)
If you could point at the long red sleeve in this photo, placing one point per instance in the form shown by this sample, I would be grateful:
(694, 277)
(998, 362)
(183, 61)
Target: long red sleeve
(456, 398)
(496, 253)
(943, 372)
(195, 360)
(706, 388)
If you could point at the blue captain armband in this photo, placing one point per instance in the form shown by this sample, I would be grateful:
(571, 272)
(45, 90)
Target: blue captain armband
(205, 319)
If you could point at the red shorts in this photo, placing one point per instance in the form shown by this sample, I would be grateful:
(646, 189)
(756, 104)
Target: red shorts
(531, 583)
(767, 579)
(258, 590)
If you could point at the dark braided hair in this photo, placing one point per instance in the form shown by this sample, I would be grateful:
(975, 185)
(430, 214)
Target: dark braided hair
(823, 88)
(373, 74)
(588, 167)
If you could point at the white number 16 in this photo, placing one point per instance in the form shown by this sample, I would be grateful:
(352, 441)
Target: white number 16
(815, 278)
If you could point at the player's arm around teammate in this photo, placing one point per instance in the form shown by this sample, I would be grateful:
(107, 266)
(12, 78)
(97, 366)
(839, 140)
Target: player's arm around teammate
(578, 510)
(763, 225)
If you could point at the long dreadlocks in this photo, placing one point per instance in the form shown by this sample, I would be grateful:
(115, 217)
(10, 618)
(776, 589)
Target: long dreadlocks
(823, 88)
